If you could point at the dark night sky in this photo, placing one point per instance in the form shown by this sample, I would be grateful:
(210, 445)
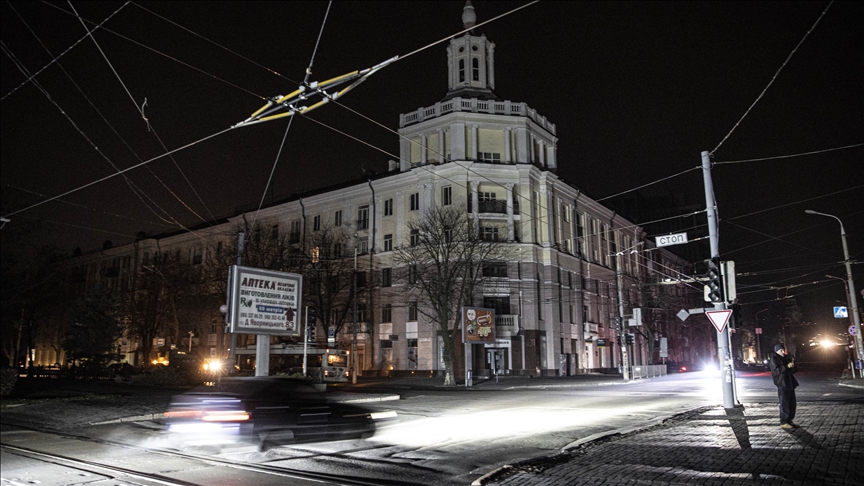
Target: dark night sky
(637, 90)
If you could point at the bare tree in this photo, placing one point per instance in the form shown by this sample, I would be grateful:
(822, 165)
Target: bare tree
(442, 264)
(328, 276)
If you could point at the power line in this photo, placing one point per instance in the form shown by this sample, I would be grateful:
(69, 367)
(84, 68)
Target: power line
(791, 155)
(773, 78)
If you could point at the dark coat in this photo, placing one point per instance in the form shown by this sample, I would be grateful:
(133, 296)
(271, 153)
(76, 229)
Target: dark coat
(783, 375)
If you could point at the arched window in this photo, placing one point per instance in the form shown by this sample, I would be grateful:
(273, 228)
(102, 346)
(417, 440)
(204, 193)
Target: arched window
(461, 70)
(475, 69)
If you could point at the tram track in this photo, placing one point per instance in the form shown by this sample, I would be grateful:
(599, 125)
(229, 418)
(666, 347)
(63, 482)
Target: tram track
(148, 466)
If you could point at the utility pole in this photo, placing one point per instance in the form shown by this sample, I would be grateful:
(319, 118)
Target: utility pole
(232, 351)
(727, 374)
(625, 363)
(354, 325)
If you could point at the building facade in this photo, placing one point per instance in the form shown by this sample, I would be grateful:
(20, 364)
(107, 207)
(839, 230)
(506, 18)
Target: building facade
(575, 265)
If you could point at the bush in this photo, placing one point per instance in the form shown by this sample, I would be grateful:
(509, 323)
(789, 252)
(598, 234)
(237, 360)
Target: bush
(162, 376)
(8, 377)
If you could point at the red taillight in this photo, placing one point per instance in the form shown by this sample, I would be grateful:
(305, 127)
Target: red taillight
(210, 416)
(229, 416)
(683, 368)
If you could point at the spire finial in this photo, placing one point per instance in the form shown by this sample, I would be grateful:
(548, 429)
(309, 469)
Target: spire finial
(469, 18)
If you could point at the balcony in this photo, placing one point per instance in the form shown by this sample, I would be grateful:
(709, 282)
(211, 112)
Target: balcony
(506, 326)
(472, 105)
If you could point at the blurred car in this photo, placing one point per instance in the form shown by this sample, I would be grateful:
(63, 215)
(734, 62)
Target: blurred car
(266, 411)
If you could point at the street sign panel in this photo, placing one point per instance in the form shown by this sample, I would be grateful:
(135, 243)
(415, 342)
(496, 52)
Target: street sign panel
(841, 313)
(668, 240)
(719, 318)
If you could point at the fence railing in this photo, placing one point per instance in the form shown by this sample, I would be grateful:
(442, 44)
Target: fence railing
(647, 371)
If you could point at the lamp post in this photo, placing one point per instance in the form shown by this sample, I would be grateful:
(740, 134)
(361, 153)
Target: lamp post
(853, 300)
(759, 338)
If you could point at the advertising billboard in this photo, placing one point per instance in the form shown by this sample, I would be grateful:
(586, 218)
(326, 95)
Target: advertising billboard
(264, 301)
(478, 325)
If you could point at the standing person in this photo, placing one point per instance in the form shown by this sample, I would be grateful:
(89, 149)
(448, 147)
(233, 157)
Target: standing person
(783, 371)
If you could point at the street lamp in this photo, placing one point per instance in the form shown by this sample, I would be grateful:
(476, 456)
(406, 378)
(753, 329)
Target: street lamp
(859, 346)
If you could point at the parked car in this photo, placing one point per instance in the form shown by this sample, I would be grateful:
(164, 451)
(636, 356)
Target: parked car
(266, 411)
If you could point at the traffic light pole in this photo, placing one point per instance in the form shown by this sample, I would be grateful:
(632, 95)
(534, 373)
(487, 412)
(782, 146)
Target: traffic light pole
(727, 374)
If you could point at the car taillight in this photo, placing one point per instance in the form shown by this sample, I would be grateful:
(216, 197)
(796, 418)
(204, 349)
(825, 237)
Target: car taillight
(227, 416)
(183, 414)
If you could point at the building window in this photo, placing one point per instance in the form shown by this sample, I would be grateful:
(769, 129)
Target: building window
(415, 201)
(361, 312)
(412, 311)
(337, 249)
(388, 242)
(475, 69)
(565, 213)
(294, 236)
(446, 196)
(412, 274)
(461, 70)
(387, 313)
(363, 217)
(415, 237)
(489, 233)
(489, 157)
(386, 278)
(337, 218)
(316, 223)
(388, 207)
(486, 196)
(315, 254)
(495, 269)
(362, 247)
(274, 231)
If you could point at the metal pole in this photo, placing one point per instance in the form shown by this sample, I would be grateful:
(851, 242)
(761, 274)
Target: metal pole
(354, 325)
(625, 363)
(727, 375)
(232, 351)
(305, 339)
(859, 345)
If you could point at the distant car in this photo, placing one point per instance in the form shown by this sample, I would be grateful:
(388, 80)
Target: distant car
(266, 411)
(673, 367)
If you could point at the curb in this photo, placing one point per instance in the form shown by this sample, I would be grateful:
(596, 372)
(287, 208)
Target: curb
(568, 449)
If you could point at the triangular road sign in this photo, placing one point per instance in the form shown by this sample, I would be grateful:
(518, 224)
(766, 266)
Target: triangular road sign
(719, 318)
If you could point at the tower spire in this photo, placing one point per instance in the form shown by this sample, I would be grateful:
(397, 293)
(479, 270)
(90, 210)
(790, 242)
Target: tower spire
(469, 18)
(470, 59)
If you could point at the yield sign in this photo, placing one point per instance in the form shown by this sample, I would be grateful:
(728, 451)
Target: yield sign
(719, 318)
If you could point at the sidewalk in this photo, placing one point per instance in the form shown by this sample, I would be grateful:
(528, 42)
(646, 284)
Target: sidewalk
(712, 446)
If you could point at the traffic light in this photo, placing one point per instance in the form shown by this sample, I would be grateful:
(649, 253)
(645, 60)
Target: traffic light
(311, 324)
(714, 291)
(631, 338)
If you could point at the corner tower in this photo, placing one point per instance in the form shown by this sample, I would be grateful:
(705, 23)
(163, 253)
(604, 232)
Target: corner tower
(471, 123)
(470, 62)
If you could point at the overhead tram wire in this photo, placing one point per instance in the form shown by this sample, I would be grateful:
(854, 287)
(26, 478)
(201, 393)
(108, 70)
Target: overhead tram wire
(137, 191)
(833, 149)
(149, 126)
(55, 59)
(772, 79)
(288, 128)
(132, 186)
(166, 56)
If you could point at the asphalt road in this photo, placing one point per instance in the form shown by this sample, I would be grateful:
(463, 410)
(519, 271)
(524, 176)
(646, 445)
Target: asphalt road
(445, 436)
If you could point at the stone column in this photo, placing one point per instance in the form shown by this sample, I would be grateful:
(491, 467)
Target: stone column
(507, 156)
(510, 233)
(400, 217)
(475, 205)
